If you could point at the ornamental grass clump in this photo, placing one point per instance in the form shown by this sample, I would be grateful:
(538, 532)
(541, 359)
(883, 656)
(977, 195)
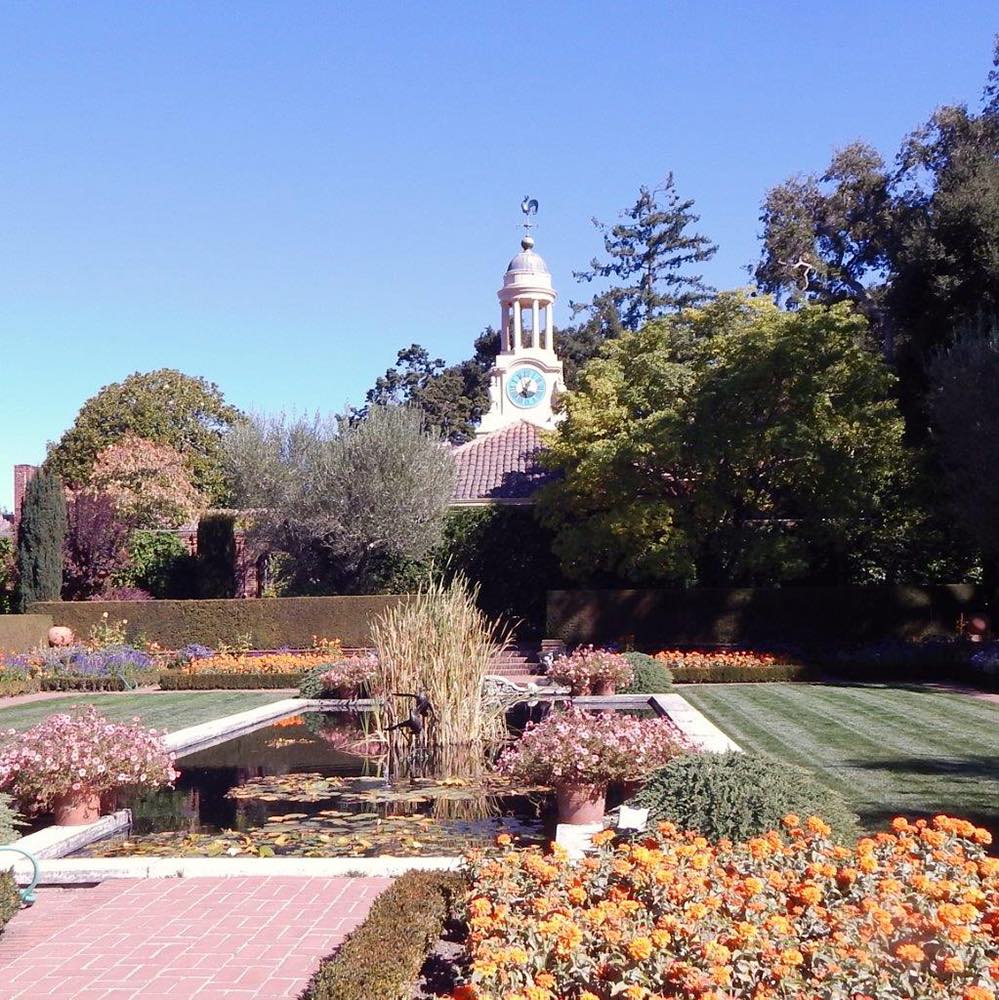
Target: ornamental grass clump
(81, 754)
(906, 914)
(591, 670)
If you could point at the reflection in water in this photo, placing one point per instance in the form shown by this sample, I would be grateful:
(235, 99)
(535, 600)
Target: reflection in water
(317, 788)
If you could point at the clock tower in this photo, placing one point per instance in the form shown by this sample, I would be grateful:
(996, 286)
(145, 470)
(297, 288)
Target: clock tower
(527, 373)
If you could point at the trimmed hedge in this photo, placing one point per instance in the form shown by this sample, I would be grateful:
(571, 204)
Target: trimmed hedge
(806, 616)
(743, 675)
(382, 959)
(12, 686)
(178, 680)
(20, 633)
(82, 682)
(271, 622)
(10, 898)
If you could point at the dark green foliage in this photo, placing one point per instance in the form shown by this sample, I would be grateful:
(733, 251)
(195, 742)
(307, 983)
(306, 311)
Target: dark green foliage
(738, 796)
(160, 563)
(166, 406)
(10, 898)
(805, 616)
(383, 957)
(117, 682)
(272, 623)
(178, 680)
(311, 685)
(40, 540)
(8, 575)
(651, 677)
(217, 555)
(9, 820)
(648, 255)
(745, 675)
(20, 633)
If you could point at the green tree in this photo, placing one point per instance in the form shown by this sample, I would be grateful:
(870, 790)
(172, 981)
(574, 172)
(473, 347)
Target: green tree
(40, 536)
(725, 445)
(452, 398)
(964, 413)
(166, 406)
(342, 497)
(648, 256)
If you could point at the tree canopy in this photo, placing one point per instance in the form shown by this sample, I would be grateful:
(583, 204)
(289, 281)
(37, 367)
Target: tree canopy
(343, 496)
(727, 444)
(165, 406)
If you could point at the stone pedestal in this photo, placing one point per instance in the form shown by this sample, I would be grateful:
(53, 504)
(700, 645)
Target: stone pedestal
(576, 838)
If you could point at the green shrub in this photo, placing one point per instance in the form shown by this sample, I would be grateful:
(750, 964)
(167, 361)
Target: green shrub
(178, 680)
(9, 820)
(10, 898)
(651, 677)
(158, 562)
(736, 675)
(114, 682)
(273, 622)
(383, 957)
(40, 537)
(737, 796)
(12, 686)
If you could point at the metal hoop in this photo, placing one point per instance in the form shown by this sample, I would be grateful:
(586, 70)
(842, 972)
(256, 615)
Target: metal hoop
(27, 895)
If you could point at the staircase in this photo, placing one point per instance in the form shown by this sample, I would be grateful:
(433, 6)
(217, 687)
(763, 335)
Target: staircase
(520, 662)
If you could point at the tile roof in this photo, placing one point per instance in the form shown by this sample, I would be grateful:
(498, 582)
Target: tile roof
(501, 466)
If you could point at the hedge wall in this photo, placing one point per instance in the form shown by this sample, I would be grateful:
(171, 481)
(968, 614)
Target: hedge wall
(271, 623)
(19, 633)
(793, 615)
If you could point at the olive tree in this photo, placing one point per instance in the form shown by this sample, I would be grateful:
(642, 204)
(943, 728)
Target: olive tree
(342, 497)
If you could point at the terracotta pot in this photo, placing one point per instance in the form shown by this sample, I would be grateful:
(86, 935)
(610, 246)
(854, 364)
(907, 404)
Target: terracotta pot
(603, 688)
(77, 808)
(60, 635)
(580, 804)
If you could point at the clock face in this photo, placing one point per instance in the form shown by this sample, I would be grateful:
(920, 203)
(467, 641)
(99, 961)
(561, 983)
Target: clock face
(525, 387)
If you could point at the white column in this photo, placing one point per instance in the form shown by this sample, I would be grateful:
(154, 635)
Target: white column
(535, 323)
(549, 328)
(517, 331)
(505, 327)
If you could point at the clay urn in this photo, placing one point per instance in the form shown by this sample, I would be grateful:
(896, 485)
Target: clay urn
(61, 635)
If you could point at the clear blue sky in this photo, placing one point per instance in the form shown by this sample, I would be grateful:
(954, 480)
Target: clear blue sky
(280, 195)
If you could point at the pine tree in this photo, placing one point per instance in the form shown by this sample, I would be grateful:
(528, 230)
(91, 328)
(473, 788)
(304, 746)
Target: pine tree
(40, 537)
(649, 253)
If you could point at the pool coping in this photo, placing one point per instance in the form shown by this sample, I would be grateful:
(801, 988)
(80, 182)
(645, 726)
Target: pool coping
(53, 843)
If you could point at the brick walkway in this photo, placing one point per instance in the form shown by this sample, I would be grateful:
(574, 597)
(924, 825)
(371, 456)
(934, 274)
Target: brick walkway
(169, 939)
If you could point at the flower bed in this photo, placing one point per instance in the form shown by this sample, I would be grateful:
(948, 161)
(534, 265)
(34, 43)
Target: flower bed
(347, 678)
(912, 913)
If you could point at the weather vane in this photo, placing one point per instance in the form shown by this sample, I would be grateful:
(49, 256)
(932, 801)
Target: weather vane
(529, 206)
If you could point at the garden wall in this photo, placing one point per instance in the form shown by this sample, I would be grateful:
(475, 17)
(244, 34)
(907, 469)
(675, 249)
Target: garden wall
(791, 615)
(19, 633)
(271, 623)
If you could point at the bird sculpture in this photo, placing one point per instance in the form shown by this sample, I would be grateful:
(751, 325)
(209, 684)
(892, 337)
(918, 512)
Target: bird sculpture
(529, 206)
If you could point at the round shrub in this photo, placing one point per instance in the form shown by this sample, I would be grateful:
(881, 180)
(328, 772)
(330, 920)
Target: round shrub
(737, 796)
(649, 675)
(10, 898)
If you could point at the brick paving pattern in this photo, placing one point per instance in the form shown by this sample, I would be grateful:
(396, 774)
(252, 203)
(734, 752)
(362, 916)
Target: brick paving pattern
(168, 939)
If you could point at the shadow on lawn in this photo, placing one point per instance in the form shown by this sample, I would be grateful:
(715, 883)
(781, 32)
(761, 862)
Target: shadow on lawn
(961, 769)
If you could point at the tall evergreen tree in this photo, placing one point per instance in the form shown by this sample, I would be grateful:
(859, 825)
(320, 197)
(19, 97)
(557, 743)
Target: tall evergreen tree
(649, 253)
(40, 537)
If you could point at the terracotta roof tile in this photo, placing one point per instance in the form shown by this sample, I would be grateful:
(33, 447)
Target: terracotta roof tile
(500, 466)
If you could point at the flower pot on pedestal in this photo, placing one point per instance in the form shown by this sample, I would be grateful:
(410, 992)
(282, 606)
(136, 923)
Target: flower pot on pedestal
(77, 808)
(579, 805)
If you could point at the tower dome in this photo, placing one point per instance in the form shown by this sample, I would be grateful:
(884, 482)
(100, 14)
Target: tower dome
(527, 261)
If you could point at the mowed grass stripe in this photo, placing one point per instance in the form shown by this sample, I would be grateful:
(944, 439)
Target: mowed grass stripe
(888, 750)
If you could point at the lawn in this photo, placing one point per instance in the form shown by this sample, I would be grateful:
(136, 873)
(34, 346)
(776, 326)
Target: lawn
(888, 750)
(169, 710)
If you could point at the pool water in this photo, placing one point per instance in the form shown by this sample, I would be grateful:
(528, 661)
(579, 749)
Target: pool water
(311, 786)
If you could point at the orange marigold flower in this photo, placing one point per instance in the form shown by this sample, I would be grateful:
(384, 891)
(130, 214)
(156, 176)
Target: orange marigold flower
(952, 964)
(791, 820)
(978, 993)
(910, 953)
(464, 993)
(639, 948)
(504, 840)
(791, 956)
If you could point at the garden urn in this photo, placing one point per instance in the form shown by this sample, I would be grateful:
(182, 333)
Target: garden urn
(580, 805)
(77, 808)
(61, 635)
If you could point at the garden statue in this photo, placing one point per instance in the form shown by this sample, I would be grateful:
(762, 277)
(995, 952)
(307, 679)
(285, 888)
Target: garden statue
(422, 708)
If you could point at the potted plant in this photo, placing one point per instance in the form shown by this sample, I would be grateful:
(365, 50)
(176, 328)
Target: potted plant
(579, 754)
(67, 762)
(590, 670)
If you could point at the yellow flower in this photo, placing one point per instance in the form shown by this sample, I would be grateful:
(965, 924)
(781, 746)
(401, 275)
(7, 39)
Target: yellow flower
(639, 948)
